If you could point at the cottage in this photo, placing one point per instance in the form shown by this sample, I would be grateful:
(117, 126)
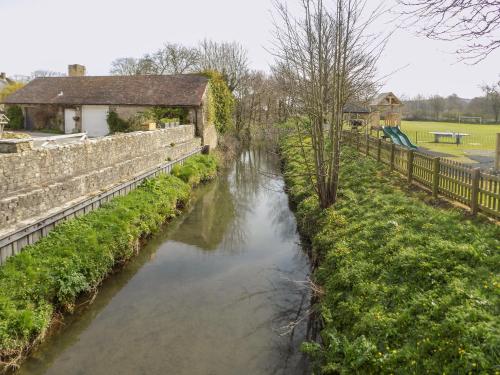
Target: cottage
(80, 103)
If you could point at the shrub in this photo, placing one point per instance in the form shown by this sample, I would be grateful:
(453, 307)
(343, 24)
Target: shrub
(16, 117)
(408, 288)
(117, 124)
(197, 169)
(78, 254)
(159, 114)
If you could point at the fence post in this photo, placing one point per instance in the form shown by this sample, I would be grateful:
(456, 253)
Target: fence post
(379, 149)
(474, 196)
(436, 165)
(497, 154)
(367, 144)
(410, 166)
(393, 155)
(357, 141)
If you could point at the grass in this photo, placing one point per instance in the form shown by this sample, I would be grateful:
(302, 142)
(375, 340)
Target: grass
(47, 277)
(408, 288)
(482, 137)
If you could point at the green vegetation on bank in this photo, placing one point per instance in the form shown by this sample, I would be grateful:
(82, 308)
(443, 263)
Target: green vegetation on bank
(48, 276)
(408, 288)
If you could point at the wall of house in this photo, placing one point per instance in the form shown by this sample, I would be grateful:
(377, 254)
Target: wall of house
(36, 182)
(204, 128)
(126, 112)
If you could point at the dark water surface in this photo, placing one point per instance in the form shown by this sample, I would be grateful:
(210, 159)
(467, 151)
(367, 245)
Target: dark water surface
(212, 293)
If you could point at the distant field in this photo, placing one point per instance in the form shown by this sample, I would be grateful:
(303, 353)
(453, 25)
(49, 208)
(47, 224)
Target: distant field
(482, 137)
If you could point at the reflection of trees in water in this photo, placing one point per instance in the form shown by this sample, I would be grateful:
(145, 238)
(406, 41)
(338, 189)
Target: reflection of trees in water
(288, 295)
(218, 219)
(213, 213)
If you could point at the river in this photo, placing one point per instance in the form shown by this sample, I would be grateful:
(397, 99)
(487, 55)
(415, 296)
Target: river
(215, 292)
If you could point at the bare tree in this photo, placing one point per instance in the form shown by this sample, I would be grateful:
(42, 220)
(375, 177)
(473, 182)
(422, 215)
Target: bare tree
(173, 59)
(326, 57)
(130, 66)
(45, 73)
(228, 58)
(474, 22)
(492, 94)
(438, 104)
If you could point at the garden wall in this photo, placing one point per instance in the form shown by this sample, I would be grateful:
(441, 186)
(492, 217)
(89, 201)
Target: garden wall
(34, 182)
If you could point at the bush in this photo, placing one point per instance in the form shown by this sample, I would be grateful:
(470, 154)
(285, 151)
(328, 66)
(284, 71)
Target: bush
(408, 288)
(16, 117)
(197, 169)
(78, 254)
(117, 124)
(159, 114)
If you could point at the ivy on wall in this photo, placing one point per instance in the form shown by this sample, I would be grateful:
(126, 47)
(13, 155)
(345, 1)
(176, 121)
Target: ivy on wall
(220, 102)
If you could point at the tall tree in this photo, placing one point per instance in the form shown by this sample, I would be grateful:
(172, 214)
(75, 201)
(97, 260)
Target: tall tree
(228, 58)
(326, 58)
(438, 104)
(492, 94)
(130, 66)
(475, 23)
(172, 59)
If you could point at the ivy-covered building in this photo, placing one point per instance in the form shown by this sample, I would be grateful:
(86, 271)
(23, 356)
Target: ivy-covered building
(80, 103)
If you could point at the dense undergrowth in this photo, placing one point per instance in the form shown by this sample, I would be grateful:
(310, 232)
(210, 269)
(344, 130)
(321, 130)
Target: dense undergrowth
(408, 288)
(48, 276)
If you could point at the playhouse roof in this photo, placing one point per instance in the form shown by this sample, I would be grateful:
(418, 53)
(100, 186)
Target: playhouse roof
(383, 99)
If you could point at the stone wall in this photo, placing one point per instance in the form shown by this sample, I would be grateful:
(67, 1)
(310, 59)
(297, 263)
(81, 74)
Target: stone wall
(36, 181)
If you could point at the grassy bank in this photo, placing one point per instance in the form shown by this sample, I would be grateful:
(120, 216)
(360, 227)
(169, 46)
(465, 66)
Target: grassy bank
(408, 288)
(48, 276)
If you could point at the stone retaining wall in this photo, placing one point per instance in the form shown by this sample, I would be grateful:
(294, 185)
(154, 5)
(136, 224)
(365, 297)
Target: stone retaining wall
(37, 181)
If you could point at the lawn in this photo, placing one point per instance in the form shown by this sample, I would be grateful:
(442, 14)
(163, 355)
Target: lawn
(481, 137)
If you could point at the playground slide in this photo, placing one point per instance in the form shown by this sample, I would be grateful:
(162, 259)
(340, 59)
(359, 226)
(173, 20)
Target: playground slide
(398, 137)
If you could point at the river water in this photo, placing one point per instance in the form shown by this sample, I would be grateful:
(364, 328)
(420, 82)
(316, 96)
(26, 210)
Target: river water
(215, 292)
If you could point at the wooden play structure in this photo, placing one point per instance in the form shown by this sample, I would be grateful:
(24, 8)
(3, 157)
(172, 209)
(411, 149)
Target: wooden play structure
(389, 107)
(385, 107)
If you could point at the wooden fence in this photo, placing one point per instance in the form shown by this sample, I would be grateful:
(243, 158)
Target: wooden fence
(459, 182)
(12, 243)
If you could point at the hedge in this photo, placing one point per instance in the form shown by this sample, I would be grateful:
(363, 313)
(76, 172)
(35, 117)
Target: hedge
(409, 288)
(77, 255)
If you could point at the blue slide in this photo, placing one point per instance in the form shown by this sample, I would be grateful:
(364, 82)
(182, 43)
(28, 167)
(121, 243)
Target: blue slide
(398, 137)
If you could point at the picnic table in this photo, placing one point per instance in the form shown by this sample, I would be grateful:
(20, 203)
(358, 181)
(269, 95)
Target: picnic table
(457, 136)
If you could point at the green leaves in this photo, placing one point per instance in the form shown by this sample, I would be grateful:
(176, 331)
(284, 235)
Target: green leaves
(409, 288)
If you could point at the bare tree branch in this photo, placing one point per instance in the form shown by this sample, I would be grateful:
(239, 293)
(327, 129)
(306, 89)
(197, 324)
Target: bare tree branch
(476, 23)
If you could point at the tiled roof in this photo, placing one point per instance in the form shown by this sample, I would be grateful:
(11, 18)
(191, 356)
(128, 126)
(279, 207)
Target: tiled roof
(175, 90)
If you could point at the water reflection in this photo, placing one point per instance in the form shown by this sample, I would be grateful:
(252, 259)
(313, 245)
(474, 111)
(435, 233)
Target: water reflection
(214, 293)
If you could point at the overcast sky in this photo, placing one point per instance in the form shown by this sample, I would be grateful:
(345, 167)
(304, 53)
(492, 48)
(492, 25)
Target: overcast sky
(50, 34)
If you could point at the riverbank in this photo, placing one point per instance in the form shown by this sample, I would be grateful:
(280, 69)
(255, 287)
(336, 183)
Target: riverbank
(47, 277)
(228, 271)
(408, 287)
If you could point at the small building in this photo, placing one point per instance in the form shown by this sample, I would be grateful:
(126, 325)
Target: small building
(80, 103)
(386, 107)
(389, 107)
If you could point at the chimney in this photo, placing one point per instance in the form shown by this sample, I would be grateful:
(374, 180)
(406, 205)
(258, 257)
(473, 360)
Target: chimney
(3, 76)
(76, 70)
